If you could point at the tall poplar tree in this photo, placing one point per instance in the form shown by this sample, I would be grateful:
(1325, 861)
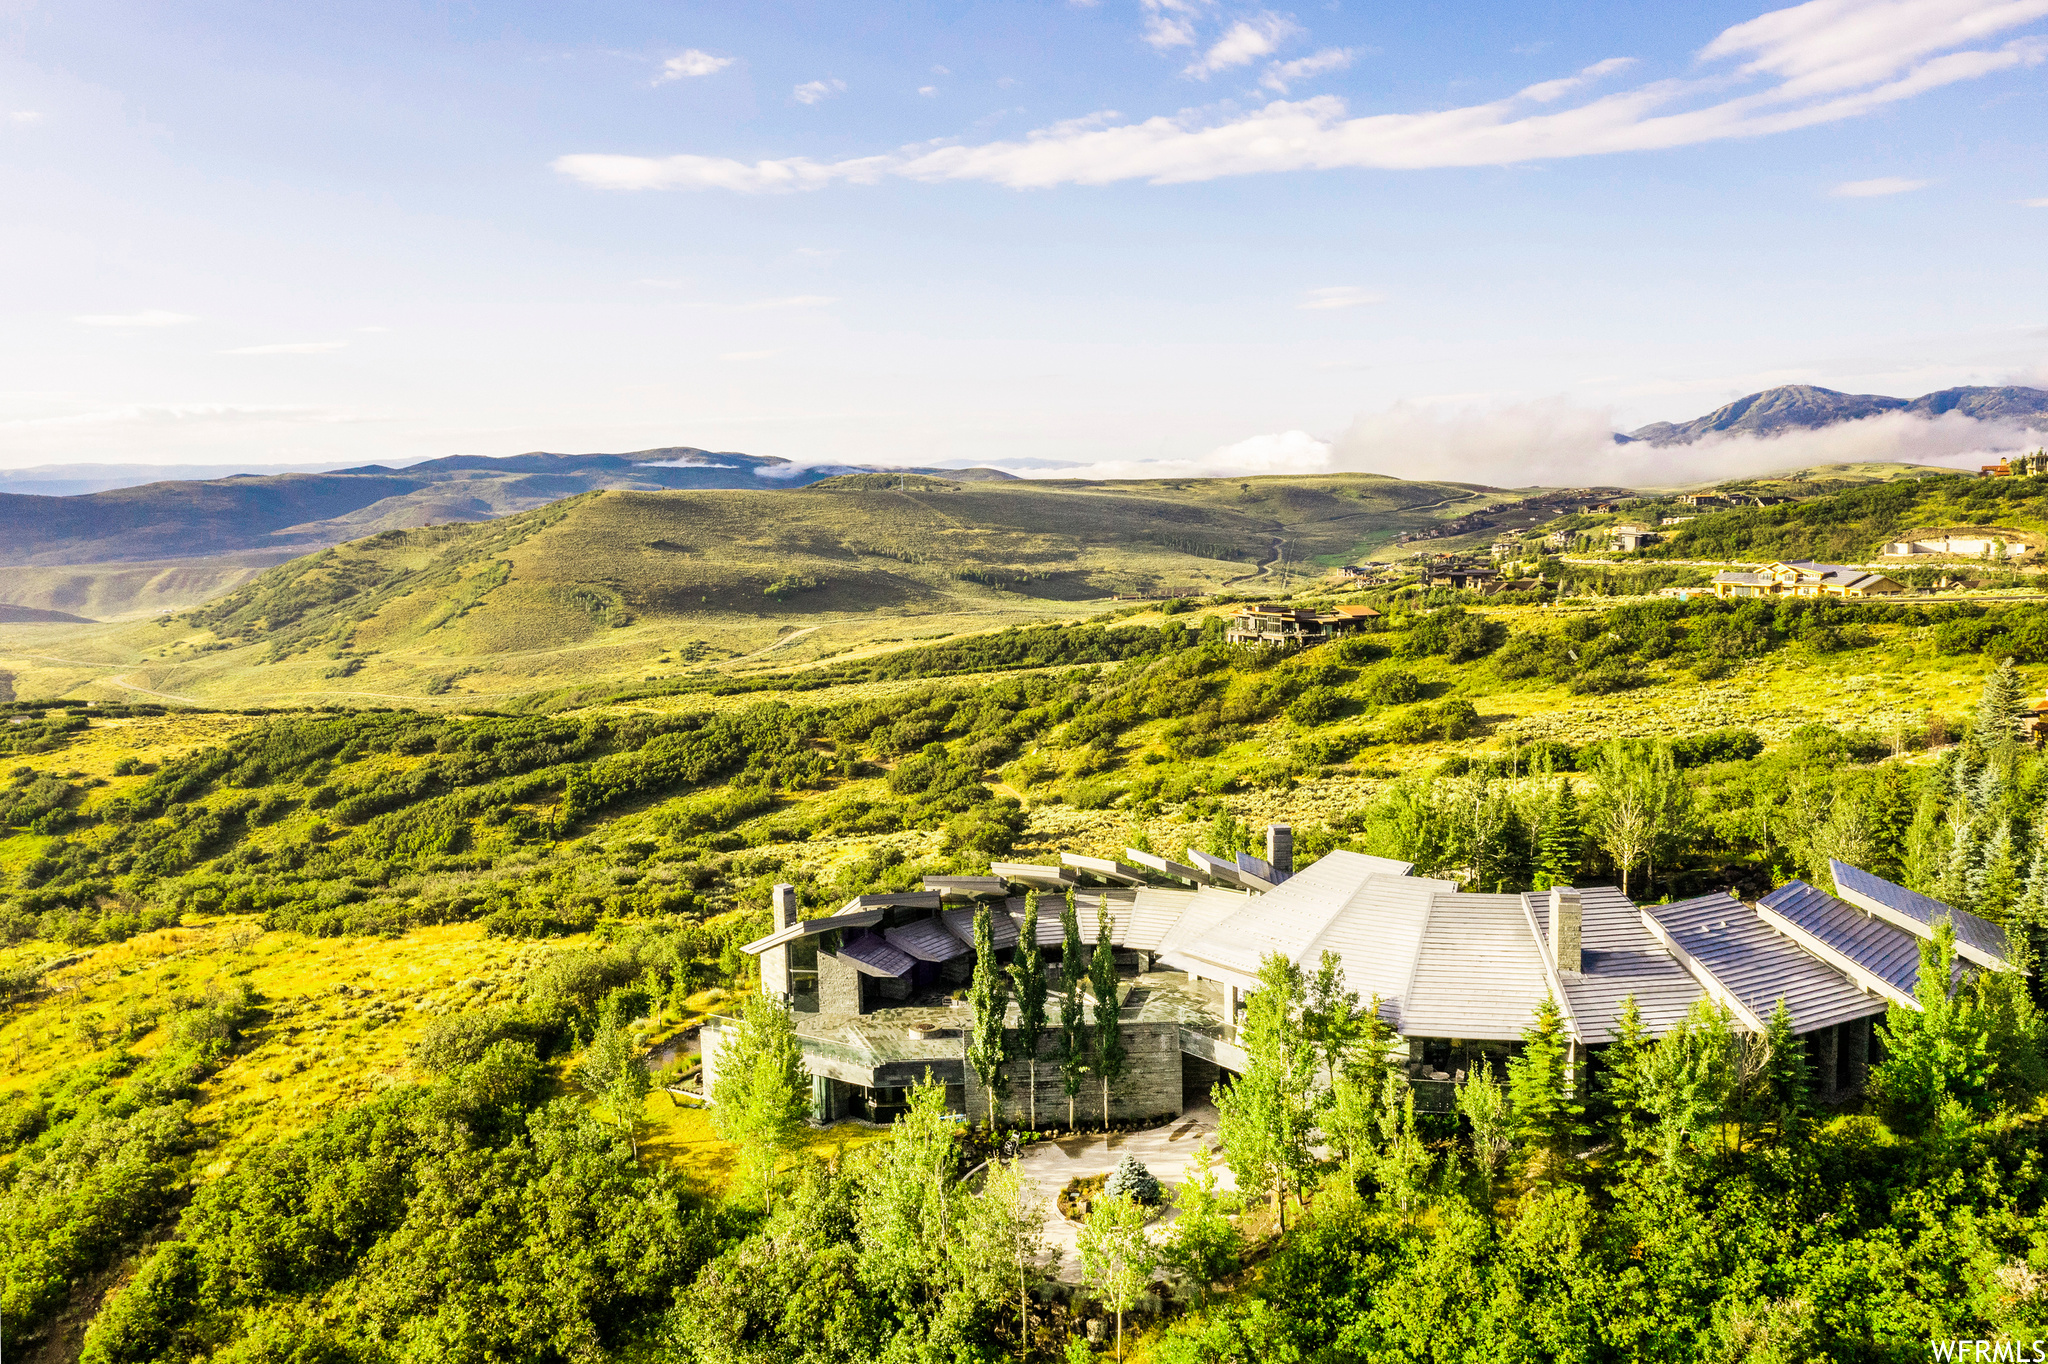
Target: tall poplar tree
(762, 1094)
(1074, 1044)
(1027, 977)
(988, 996)
(1267, 1118)
(1111, 1059)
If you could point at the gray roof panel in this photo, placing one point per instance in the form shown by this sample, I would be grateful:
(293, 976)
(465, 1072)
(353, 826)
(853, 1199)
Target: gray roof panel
(926, 940)
(1886, 951)
(1756, 966)
(1479, 974)
(1972, 931)
(1002, 928)
(1620, 958)
(876, 957)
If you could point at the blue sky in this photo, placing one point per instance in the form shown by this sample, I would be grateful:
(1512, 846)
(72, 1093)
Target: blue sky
(1133, 236)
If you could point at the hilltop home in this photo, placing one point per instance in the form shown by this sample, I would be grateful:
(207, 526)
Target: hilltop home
(1457, 976)
(1804, 580)
(1464, 579)
(1629, 539)
(1978, 546)
(1291, 626)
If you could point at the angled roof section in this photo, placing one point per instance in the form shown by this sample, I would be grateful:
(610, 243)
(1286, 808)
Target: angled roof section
(1478, 973)
(926, 940)
(873, 956)
(1211, 906)
(1887, 955)
(1977, 939)
(1154, 912)
(1743, 962)
(1378, 937)
(1619, 958)
(809, 927)
(1002, 928)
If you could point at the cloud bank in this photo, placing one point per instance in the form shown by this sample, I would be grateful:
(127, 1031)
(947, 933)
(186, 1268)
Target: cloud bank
(1812, 64)
(1557, 443)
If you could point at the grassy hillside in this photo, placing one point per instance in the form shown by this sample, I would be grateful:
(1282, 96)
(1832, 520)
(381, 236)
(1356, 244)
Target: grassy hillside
(621, 586)
(1852, 524)
(314, 990)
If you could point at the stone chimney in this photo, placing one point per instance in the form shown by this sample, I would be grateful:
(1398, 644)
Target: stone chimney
(1565, 917)
(1280, 848)
(775, 979)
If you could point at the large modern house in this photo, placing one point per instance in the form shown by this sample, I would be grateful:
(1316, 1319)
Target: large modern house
(1804, 580)
(1458, 976)
(1295, 627)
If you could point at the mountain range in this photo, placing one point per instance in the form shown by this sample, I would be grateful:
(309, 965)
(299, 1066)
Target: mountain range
(294, 513)
(1803, 407)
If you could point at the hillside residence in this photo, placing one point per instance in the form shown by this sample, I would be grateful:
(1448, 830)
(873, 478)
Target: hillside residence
(1676, 520)
(1457, 975)
(1804, 580)
(1357, 571)
(1462, 577)
(1294, 627)
(1629, 539)
(1927, 544)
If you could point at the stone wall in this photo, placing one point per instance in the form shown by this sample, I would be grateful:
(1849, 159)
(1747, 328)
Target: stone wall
(1151, 1086)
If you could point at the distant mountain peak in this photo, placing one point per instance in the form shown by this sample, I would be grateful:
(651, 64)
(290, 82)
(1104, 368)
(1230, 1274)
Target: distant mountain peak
(1806, 407)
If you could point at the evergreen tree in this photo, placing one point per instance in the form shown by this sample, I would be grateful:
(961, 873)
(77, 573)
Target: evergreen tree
(1964, 870)
(1890, 821)
(1926, 854)
(2000, 709)
(988, 999)
(1027, 977)
(1783, 1099)
(1619, 1090)
(1075, 1044)
(1111, 1058)
(1996, 888)
(1541, 1091)
(1561, 843)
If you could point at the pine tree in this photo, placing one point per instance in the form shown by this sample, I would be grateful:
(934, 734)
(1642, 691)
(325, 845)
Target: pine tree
(1889, 821)
(1027, 977)
(1926, 846)
(1111, 1059)
(1996, 887)
(1561, 842)
(2000, 709)
(1541, 1091)
(1782, 1102)
(1075, 1043)
(1964, 868)
(988, 999)
(1620, 1083)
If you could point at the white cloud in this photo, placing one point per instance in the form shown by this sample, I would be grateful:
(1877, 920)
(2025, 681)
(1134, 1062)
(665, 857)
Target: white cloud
(1281, 76)
(742, 355)
(927, 89)
(25, 117)
(2034, 203)
(1874, 189)
(1556, 443)
(1170, 23)
(692, 62)
(1243, 43)
(150, 317)
(1814, 64)
(289, 348)
(810, 92)
(1339, 296)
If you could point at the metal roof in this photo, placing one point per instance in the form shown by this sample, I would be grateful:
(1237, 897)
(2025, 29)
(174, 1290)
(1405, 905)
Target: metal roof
(1002, 928)
(809, 927)
(1378, 936)
(1619, 958)
(1154, 912)
(1284, 920)
(926, 940)
(873, 956)
(1747, 964)
(1478, 974)
(1211, 906)
(1980, 939)
(1885, 951)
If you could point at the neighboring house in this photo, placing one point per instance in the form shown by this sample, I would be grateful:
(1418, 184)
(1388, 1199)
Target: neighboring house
(1804, 580)
(1924, 544)
(1703, 500)
(1629, 539)
(1356, 571)
(1461, 578)
(1676, 520)
(1458, 976)
(1291, 627)
(1558, 539)
(1994, 471)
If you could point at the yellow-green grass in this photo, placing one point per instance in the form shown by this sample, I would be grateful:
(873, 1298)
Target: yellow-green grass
(679, 1132)
(624, 586)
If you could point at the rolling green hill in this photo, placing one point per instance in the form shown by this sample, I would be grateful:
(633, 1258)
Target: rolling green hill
(628, 585)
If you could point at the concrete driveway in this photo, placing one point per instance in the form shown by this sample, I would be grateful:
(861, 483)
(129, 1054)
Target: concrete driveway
(1165, 1151)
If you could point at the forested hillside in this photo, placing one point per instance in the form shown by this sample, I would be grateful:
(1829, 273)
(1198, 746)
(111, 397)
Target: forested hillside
(327, 1035)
